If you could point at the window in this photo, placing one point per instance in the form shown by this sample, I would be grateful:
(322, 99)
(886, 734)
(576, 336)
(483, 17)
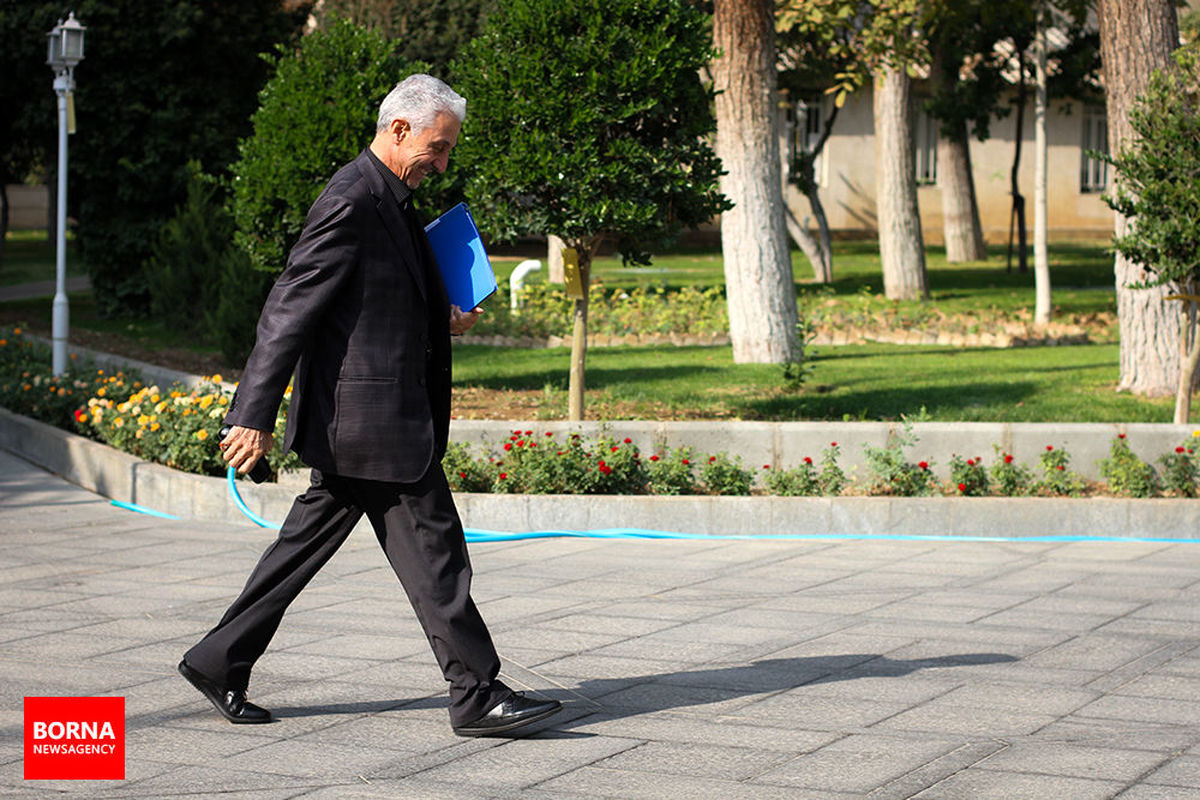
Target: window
(926, 140)
(1093, 172)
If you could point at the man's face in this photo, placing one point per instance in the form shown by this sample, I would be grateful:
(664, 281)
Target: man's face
(420, 155)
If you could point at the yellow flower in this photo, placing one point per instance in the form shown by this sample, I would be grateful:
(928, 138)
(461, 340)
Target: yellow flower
(162, 404)
(154, 398)
(100, 392)
(154, 426)
(206, 401)
(202, 434)
(217, 378)
(143, 420)
(118, 422)
(16, 331)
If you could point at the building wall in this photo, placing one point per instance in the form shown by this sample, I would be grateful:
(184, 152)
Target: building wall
(847, 176)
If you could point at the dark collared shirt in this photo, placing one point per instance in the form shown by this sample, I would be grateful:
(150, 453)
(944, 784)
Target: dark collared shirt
(400, 190)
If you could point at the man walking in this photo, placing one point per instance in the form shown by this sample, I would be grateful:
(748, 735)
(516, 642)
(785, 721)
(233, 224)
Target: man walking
(361, 313)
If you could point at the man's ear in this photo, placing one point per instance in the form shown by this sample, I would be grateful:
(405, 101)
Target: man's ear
(399, 128)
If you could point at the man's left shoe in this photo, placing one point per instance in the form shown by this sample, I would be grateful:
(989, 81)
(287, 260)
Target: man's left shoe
(515, 712)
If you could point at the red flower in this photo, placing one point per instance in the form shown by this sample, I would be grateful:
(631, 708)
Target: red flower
(685, 461)
(1060, 467)
(807, 460)
(833, 444)
(1008, 459)
(503, 475)
(1178, 449)
(520, 443)
(529, 433)
(606, 470)
(923, 464)
(462, 474)
(1120, 436)
(1049, 447)
(711, 459)
(549, 433)
(615, 448)
(508, 445)
(766, 466)
(80, 415)
(962, 487)
(602, 465)
(628, 440)
(970, 463)
(654, 458)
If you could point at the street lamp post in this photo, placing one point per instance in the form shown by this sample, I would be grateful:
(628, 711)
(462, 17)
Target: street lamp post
(65, 51)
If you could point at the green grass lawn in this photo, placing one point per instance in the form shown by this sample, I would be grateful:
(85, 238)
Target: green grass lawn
(853, 382)
(29, 257)
(861, 382)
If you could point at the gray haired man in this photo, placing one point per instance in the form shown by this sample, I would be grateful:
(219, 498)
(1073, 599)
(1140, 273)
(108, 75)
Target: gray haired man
(360, 313)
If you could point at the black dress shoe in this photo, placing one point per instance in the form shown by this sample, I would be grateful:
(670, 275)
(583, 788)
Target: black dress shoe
(232, 703)
(513, 713)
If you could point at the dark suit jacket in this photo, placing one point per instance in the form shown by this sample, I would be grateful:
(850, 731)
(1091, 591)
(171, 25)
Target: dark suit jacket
(366, 328)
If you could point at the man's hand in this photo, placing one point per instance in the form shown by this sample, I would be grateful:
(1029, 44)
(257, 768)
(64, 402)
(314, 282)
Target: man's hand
(243, 447)
(462, 321)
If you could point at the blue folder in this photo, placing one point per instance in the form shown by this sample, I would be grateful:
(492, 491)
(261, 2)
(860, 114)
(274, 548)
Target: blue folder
(464, 265)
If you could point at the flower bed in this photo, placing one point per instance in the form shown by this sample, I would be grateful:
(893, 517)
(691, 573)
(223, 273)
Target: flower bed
(178, 427)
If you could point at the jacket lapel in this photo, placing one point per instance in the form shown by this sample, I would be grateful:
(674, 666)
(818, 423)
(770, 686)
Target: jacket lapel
(393, 222)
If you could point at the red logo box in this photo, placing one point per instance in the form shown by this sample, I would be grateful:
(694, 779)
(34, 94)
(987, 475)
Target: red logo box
(74, 738)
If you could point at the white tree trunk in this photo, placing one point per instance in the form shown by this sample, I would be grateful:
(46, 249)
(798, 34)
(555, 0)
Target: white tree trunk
(793, 215)
(1137, 37)
(758, 271)
(1041, 258)
(554, 262)
(901, 248)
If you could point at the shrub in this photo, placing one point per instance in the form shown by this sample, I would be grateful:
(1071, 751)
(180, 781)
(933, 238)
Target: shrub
(1057, 479)
(832, 479)
(968, 476)
(1180, 473)
(315, 114)
(1128, 475)
(543, 465)
(464, 472)
(892, 474)
(723, 475)
(1008, 478)
(672, 471)
(799, 481)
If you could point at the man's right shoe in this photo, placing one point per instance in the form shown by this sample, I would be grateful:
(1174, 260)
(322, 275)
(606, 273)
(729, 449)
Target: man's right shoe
(232, 703)
(512, 713)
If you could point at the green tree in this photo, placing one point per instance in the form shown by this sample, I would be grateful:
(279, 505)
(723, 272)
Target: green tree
(588, 118)
(161, 84)
(1158, 191)
(317, 112)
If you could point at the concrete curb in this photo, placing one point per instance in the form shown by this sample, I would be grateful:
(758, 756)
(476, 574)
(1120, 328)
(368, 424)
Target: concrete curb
(122, 477)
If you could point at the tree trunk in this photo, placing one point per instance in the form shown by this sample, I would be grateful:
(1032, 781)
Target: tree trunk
(1189, 353)
(575, 388)
(960, 209)
(554, 262)
(814, 249)
(901, 248)
(961, 227)
(1137, 37)
(1017, 217)
(758, 268)
(1041, 256)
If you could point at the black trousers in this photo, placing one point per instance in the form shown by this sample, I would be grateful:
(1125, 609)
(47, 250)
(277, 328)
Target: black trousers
(419, 529)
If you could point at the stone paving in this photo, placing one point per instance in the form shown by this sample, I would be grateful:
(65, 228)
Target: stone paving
(697, 669)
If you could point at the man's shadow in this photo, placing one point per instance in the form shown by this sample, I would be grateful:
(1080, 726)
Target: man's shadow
(645, 694)
(622, 697)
